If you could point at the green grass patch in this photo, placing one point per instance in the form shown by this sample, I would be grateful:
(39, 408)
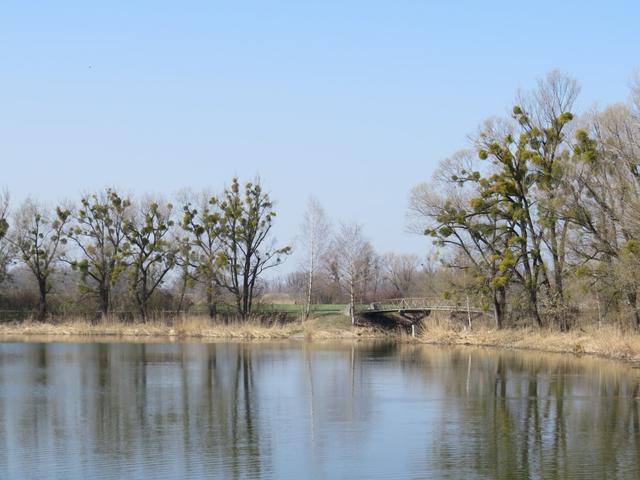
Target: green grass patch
(328, 322)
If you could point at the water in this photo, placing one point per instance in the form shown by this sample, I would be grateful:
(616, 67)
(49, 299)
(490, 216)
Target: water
(297, 410)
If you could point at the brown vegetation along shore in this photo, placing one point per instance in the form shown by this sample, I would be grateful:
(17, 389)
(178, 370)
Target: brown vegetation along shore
(327, 327)
(607, 342)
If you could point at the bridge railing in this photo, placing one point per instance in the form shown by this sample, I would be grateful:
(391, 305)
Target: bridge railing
(400, 304)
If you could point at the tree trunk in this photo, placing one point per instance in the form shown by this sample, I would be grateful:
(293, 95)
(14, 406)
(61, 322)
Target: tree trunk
(533, 300)
(142, 298)
(530, 280)
(498, 306)
(632, 296)
(211, 306)
(42, 300)
(104, 301)
(183, 290)
(557, 267)
(143, 311)
(244, 313)
(352, 303)
(307, 309)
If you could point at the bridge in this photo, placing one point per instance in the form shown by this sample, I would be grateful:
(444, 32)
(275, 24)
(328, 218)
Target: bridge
(414, 306)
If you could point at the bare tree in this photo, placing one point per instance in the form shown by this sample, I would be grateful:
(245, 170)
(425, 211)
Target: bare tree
(38, 237)
(401, 271)
(605, 201)
(6, 249)
(350, 258)
(315, 240)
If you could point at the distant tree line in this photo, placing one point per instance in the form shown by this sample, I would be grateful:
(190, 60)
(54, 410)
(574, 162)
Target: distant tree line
(541, 212)
(111, 254)
(119, 252)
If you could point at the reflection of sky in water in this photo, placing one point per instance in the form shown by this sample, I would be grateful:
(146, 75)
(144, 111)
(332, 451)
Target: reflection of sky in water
(295, 410)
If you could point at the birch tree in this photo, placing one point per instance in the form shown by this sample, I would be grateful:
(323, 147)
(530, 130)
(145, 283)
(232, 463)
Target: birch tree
(315, 233)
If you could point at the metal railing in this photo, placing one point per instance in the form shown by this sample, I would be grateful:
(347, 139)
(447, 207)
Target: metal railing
(416, 305)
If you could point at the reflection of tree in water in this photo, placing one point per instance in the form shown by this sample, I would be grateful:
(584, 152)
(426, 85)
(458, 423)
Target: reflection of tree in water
(205, 393)
(218, 410)
(192, 406)
(245, 445)
(528, 416)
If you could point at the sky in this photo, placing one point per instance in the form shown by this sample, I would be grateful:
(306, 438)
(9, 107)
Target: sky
(353, 102)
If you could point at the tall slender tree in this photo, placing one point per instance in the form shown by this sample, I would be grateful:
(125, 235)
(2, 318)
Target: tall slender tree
(315, 235)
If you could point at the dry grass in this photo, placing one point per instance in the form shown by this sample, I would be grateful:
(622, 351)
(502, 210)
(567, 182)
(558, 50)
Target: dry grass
(190, 327)
(609, 342)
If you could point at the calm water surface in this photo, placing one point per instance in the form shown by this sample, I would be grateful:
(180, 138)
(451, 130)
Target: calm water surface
(296, 410)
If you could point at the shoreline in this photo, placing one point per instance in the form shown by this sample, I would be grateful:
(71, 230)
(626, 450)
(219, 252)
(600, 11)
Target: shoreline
(607, 343)
(191, 329)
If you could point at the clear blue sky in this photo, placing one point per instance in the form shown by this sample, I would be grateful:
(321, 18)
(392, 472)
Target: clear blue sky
(352, 101)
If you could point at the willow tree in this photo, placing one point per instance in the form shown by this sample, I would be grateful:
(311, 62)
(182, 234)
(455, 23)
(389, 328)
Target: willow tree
(246, 249)
(150, 251)
(99, 234)
(38, 237)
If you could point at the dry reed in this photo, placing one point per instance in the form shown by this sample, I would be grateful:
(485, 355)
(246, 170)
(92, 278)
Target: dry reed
(607, 341)
(190, 327)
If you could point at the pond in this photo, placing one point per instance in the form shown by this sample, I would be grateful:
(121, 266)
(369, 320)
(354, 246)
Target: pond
(312, 410)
